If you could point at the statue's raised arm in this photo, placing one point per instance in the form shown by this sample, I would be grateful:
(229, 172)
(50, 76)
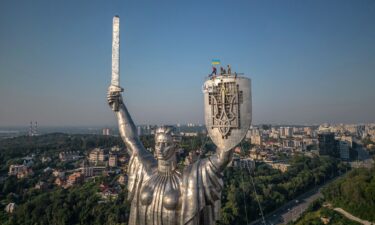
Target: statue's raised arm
(125, 123)
(127, 128)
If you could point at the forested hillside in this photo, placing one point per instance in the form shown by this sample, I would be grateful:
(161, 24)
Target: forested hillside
(355, 193)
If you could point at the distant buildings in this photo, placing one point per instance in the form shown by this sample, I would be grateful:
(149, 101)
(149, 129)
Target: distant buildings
(97, 156)
(256, 139)
(308, 131)
(20, 171)
(139, 130)
(344, 150)
(46, 159)
(41, 185)
(91, 170)
(112, 161)
(33, 130)
(282, 132)
(189, 134)
(288, 131)
(68, 156)
(60, 182)
(275, 141)
(255, 136)
(115, 148)
(58, 173)
(327, 144)
(14, 169)
(107, 193)
(74, 178)
(106, 131)
(246, 164)
(282, 166)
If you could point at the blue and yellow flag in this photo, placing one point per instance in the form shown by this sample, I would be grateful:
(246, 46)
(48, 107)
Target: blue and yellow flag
(215, 62)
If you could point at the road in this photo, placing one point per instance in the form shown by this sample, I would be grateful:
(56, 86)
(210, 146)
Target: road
(293, 209)
(351, 217)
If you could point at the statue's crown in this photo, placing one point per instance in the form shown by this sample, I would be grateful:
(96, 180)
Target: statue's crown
(165, 130)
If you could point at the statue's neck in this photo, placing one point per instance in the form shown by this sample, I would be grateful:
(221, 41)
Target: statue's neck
(167, 166)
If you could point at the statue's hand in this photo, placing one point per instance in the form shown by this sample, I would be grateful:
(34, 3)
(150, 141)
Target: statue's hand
(114, 99)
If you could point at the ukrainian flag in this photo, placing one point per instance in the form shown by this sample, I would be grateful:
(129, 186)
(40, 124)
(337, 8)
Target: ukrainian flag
(215, 62)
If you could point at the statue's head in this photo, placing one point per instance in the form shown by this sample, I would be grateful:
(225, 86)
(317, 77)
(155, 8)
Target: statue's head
(164, 143)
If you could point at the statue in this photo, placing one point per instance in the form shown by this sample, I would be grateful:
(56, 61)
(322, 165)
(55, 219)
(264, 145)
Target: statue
(161, 194)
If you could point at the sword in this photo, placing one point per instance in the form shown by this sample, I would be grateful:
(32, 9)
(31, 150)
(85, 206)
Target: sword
(115, 81)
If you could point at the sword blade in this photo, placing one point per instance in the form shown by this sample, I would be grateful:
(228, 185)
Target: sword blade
(116, 52)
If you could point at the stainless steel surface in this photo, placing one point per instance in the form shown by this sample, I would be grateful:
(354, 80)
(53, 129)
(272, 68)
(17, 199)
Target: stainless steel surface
(159, 193)
(228, 110)
(115, 81)
(116, 52)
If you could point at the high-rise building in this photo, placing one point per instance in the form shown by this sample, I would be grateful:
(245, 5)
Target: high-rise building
(282, 132)
(327, 144)
(343, 147)
(139, 130)
(106, 131)
(288, 131)
(256, 139)
(97, 155)
(33, 131)
(296, 129)
(101, 156)
(87, 170)
(308, 131)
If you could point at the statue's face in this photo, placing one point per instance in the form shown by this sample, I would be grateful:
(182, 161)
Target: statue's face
(164, 147)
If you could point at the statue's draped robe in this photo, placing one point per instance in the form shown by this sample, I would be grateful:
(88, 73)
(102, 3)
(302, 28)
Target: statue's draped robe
(199, 186)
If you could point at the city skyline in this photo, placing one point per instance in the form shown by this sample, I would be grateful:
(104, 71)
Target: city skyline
(309, 62)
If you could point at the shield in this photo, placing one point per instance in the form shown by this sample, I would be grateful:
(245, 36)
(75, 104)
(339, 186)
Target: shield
(227, 106)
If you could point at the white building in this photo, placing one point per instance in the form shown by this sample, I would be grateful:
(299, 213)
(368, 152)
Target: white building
(68, 156)
(256, 139)
(15, 169)
(97, 155)
(106, 131)
(112, 162)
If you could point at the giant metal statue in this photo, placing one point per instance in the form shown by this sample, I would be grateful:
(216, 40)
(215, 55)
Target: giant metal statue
(160, 194)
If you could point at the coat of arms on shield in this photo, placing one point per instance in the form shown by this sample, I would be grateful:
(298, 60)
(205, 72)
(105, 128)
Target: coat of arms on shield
(225, 100)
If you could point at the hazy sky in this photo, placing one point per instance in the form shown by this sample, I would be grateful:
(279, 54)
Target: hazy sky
(309, 61)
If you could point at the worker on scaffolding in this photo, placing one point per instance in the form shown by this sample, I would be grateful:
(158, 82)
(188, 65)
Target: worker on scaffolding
(229, 69)
(222, 70)
(214, 72)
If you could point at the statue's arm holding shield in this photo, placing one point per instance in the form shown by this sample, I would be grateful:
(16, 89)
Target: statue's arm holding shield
(221, 159)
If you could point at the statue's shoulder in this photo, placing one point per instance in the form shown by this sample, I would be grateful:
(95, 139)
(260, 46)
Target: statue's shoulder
(194, 167)
(143, 160)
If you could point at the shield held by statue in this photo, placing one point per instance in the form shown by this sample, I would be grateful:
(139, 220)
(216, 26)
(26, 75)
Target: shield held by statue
(228, 111)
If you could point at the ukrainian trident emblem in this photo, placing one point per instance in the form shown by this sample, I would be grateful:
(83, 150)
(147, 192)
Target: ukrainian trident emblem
(227, 109)
(225, 100)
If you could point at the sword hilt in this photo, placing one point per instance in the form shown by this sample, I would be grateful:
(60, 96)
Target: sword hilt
(117, 90)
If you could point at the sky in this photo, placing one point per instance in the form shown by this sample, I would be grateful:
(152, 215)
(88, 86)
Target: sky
(309, 61)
